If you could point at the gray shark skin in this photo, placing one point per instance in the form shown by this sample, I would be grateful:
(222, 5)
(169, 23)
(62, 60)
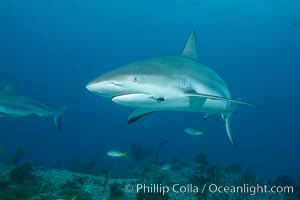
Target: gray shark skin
(178, 83)
(14, 105)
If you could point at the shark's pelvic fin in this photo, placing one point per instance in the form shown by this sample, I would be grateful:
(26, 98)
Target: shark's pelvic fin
(11, 87)
(190, 49)
(58, 116)
(196, 102)
(138, 113)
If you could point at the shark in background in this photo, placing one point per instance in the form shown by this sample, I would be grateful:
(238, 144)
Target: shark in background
(178, 83)
(14, 105)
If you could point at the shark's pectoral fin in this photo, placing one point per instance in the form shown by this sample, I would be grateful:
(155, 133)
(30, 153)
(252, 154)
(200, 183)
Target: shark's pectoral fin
(138, 113)
(11, 87)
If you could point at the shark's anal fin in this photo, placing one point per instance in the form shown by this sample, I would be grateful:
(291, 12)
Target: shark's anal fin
(138, 113)
(190, 49)
(11, 87)
(209, 114)
(212, 113)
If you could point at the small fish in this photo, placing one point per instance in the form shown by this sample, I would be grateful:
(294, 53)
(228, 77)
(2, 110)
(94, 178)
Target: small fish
(192, 131)
(115, 153)
(165, 167)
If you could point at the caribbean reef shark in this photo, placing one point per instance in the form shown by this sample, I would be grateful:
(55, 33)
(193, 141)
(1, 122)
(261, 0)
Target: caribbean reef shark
(178, 83)
(14, 105)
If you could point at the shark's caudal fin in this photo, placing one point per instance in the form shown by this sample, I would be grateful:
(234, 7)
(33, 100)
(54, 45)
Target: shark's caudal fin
(227, 119)
(190, 49)
(57, 118)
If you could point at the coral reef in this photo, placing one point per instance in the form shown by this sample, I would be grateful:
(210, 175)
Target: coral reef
(115, 190)
(90, 167)
(22, 173)
(151, 196)
(160, 146)
(27, 182)
(201, 158)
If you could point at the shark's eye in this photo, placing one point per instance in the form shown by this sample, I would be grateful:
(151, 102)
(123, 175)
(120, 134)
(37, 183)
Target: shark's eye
(135, 79)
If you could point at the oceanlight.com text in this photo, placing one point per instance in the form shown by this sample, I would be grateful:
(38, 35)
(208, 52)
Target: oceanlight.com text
(252, 190)
(156, 188)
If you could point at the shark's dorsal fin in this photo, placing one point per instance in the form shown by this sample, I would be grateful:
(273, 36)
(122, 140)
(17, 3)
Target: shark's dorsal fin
(11, 87)
(190, 49)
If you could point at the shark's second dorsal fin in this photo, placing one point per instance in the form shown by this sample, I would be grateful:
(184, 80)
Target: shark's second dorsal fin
(190, 49)
(11, 87)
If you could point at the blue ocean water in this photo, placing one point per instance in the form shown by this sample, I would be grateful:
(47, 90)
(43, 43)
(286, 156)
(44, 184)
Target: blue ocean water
(53, 48)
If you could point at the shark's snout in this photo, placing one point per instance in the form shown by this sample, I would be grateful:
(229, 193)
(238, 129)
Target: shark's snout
(105, 88)
(96, 86)
(92, 86)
